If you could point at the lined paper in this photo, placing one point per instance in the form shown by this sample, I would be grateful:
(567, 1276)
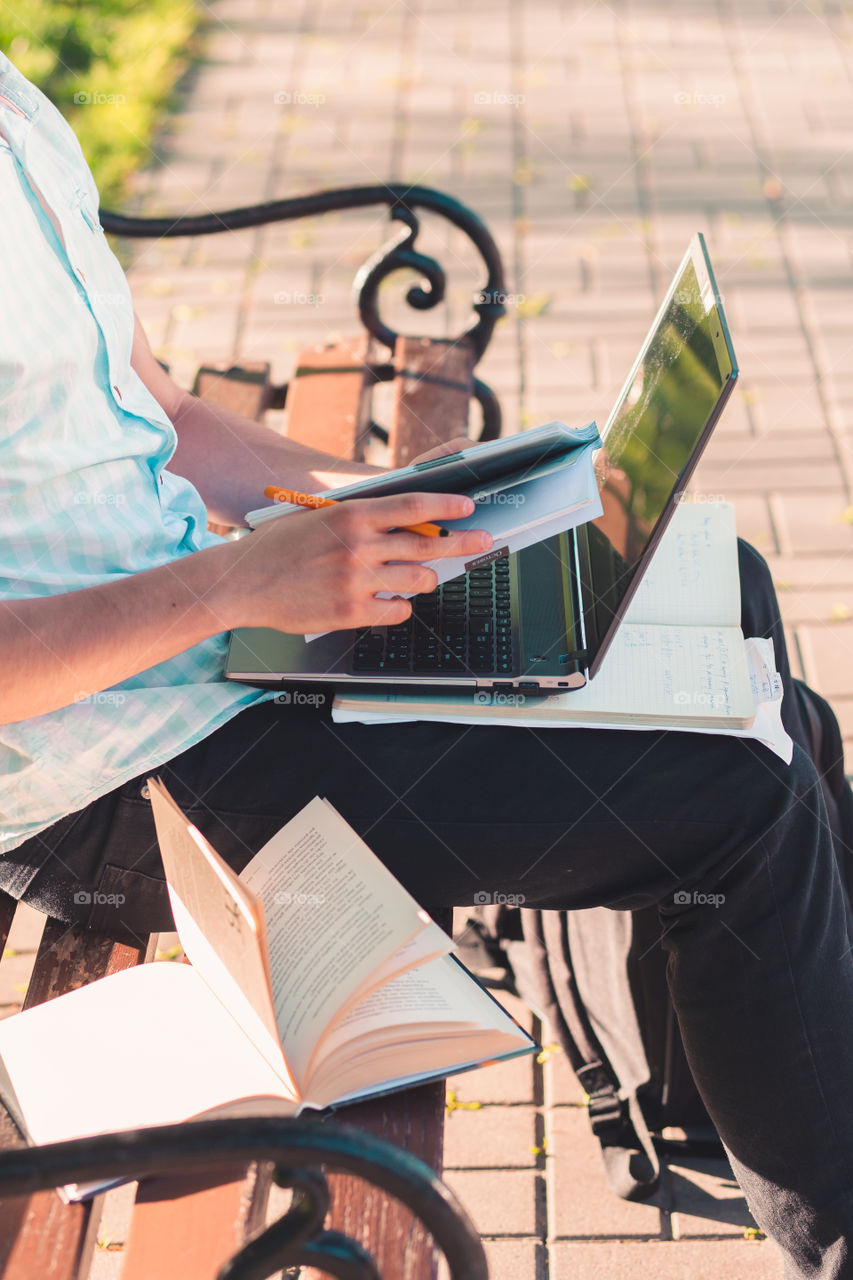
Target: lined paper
(693, 579)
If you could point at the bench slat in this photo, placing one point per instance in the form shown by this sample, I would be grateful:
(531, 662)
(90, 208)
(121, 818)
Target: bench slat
(433, 389)
(188, 1228)
(243, 388)
(328, 400)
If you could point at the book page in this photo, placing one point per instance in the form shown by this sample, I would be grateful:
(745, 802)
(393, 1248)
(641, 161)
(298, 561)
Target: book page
(220, 923)
(334, 915)
(693, 578)
(432, 1016)
(146, 1046)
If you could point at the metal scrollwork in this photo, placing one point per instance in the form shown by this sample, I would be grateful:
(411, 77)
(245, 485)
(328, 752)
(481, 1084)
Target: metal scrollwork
(300, 1150)
(397, 253)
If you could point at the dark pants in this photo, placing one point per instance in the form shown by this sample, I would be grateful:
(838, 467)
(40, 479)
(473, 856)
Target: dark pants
(762, 982)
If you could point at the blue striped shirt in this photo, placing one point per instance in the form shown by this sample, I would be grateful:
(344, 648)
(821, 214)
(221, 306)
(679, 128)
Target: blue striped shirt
(86, 496)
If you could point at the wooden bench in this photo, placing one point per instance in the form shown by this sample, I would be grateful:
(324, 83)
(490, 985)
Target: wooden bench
(183, 1229)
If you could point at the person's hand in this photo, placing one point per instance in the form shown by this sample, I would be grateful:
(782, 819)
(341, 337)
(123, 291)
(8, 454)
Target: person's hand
(320, 570)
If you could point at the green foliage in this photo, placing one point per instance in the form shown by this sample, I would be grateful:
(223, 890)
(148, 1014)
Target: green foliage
(108, 65)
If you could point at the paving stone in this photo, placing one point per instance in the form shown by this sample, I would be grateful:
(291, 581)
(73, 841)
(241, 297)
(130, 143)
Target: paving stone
(706, 1200)
(492, 1137)
(561, 1085)
(580, 1202)
(828, 656)
(809, 523)
(754, 522)
(666, 1260)
(501, 1202)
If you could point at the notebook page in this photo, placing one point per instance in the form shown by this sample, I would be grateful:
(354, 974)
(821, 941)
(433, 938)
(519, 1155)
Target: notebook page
(659, 675)
(669, 671)
(693, 579)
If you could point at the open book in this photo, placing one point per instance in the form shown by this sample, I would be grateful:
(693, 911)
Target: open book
(527, 487)
(679, 658)
(315, 979)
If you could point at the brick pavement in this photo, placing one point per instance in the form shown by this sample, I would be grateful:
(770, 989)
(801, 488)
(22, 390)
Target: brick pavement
(595, 138)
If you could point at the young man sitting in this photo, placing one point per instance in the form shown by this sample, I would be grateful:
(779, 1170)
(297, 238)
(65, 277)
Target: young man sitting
(116, 603)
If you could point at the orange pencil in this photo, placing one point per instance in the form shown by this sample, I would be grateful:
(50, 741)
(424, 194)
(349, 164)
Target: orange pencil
(312, 500)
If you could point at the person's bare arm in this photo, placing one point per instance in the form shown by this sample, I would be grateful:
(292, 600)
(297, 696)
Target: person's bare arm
(309, 571)
(229, 458)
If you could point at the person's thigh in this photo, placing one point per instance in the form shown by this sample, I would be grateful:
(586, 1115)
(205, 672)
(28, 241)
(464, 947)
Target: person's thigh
(560, 818)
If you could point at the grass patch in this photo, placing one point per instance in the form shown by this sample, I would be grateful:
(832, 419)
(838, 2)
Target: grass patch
(109, 66)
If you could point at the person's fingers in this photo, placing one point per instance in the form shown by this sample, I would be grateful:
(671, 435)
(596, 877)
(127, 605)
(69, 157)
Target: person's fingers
(402, 545)
(386, 613)
(404, 579)
(403, 509)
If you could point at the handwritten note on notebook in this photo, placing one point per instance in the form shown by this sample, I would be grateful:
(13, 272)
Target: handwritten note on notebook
(693, 578)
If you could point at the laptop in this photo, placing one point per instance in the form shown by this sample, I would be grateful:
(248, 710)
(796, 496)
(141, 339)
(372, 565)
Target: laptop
(542, 619)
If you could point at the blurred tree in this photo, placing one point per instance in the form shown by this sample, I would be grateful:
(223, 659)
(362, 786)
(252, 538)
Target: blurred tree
(109, 66)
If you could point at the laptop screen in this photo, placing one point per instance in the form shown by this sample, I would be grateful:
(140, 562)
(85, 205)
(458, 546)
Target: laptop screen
(653, 439)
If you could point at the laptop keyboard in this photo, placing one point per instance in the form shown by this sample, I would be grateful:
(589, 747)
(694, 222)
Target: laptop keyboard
(464, 625)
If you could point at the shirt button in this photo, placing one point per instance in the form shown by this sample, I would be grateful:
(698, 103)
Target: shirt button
(144, 791)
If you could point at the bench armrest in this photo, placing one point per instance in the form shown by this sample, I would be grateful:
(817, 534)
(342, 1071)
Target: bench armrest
(397, 253)
(300, 1150)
